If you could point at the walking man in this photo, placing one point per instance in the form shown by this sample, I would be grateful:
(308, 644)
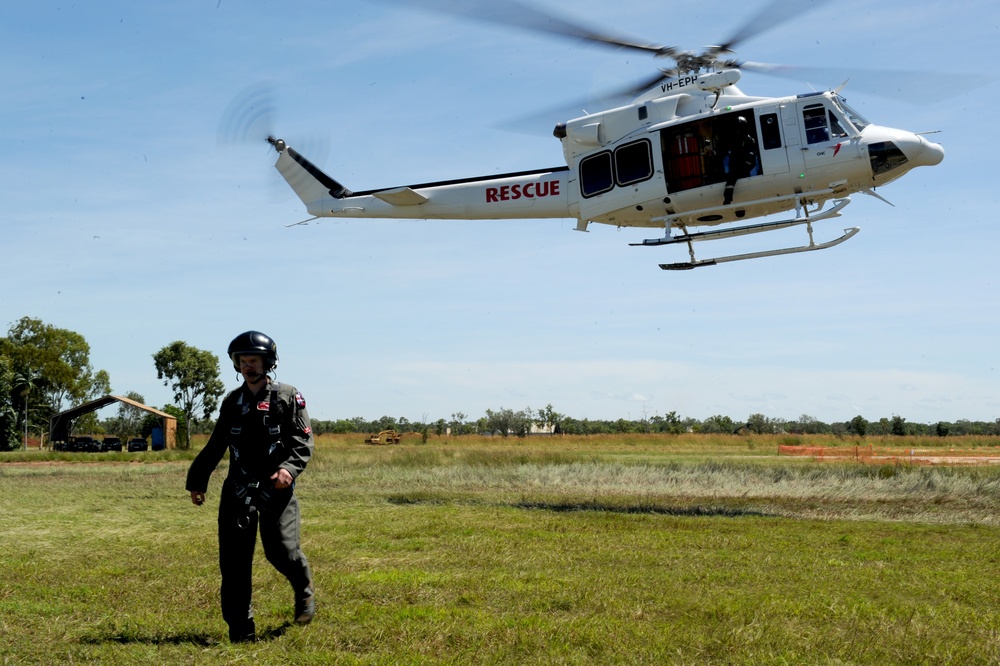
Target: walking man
(265, 427)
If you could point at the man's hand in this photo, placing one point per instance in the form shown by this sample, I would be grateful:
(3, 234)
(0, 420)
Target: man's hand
(282, 479)
(197, 497)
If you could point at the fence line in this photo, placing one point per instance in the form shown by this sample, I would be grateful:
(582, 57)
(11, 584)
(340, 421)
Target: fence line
(870, 454)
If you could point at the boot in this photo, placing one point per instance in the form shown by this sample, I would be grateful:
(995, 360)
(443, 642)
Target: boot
(243, 633)
(305, 606)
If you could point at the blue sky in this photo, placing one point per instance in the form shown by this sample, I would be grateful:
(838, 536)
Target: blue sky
(126, 221)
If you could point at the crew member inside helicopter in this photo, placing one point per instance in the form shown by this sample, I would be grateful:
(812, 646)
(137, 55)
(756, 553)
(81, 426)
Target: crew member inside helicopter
(740, 160)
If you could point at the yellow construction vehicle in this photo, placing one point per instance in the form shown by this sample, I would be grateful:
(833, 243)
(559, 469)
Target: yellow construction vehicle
(384, 437)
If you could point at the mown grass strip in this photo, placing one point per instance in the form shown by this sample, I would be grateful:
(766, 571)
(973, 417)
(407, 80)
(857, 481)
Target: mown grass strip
(514, 553)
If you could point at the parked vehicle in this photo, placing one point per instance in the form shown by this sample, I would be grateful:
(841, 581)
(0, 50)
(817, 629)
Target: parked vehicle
(111, 444)
(83, 444)
(137, 444)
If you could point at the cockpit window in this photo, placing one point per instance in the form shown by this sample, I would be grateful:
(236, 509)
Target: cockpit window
(853, 116)
(836, 129)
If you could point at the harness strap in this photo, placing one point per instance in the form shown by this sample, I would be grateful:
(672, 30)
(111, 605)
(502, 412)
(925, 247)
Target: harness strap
(273, 429)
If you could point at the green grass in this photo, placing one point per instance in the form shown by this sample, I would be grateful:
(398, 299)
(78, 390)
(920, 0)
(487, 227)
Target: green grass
(647, 550)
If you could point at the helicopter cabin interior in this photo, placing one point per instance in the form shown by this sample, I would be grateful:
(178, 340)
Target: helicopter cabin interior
(711, 150)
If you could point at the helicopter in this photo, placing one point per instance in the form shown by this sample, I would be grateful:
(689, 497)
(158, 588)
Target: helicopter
(688, 153)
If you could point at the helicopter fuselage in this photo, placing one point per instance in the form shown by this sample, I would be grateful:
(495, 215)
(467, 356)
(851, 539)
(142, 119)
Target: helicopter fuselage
(666, 161)
(698, 153)
(662, 162)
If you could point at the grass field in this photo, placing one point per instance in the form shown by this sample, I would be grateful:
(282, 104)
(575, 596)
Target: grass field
(632, 549)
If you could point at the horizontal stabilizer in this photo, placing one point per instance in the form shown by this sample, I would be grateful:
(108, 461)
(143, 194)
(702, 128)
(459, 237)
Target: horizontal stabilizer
(401, 196)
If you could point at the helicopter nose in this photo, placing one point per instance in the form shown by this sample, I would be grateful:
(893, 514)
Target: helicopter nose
(924, 153)
(899, 152)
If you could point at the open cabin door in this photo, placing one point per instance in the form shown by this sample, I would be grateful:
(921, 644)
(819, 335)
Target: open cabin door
(706, 152)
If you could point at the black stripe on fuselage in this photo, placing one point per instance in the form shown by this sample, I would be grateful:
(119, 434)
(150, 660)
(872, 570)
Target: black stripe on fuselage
(475, 179)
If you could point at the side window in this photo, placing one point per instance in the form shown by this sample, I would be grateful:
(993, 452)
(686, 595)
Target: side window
(634, 162)
(596, 175)
(770, 131)
(835, 126)
(814, 120)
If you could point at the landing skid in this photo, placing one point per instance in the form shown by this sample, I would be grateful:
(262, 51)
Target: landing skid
(695, 263)
(732, 232)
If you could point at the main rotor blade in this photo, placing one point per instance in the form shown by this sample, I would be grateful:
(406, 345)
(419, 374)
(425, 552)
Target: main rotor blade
(542, 121)
(771, 16)
(897, 84)
(520, 15)
(630, 92)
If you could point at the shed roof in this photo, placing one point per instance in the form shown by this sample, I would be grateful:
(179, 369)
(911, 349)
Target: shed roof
(59, 423)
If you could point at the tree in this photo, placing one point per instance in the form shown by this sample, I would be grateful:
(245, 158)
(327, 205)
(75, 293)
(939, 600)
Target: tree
(25, 383)
(719, 423)
(507, 422)
(59, 357)
(548, 418)
(48, 367)
(458, 426)
(859, 426)
(670, 423)
(193, 375)
(8, 417)
(759, 424)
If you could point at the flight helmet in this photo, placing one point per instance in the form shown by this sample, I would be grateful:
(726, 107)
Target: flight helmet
(254, 342)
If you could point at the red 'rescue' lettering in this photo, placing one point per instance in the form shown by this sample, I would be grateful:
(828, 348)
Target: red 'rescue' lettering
(545, 188)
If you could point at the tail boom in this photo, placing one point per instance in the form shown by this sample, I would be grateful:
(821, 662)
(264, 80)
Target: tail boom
(542, 193)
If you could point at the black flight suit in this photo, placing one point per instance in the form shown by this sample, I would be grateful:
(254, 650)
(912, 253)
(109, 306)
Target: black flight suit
(742, 159)
(263, 432)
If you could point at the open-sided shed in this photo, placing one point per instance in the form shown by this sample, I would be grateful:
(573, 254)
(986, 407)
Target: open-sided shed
(59, 424)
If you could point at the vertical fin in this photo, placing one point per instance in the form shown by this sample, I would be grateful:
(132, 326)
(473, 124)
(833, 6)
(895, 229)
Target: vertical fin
(305, 178)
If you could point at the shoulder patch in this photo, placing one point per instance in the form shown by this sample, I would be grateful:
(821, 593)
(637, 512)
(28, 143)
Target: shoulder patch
(299, 400)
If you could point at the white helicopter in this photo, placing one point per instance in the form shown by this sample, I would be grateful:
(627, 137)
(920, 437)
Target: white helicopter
(689, 150)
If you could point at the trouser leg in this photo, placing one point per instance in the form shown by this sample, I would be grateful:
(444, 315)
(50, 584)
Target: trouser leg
(727, 196)
(236, 547)
(279, 533)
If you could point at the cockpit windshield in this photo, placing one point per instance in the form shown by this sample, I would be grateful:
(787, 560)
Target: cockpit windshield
(852, 116)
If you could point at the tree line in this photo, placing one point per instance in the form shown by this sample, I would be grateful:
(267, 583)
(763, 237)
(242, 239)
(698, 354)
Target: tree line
(45, 370)
(521, 423)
